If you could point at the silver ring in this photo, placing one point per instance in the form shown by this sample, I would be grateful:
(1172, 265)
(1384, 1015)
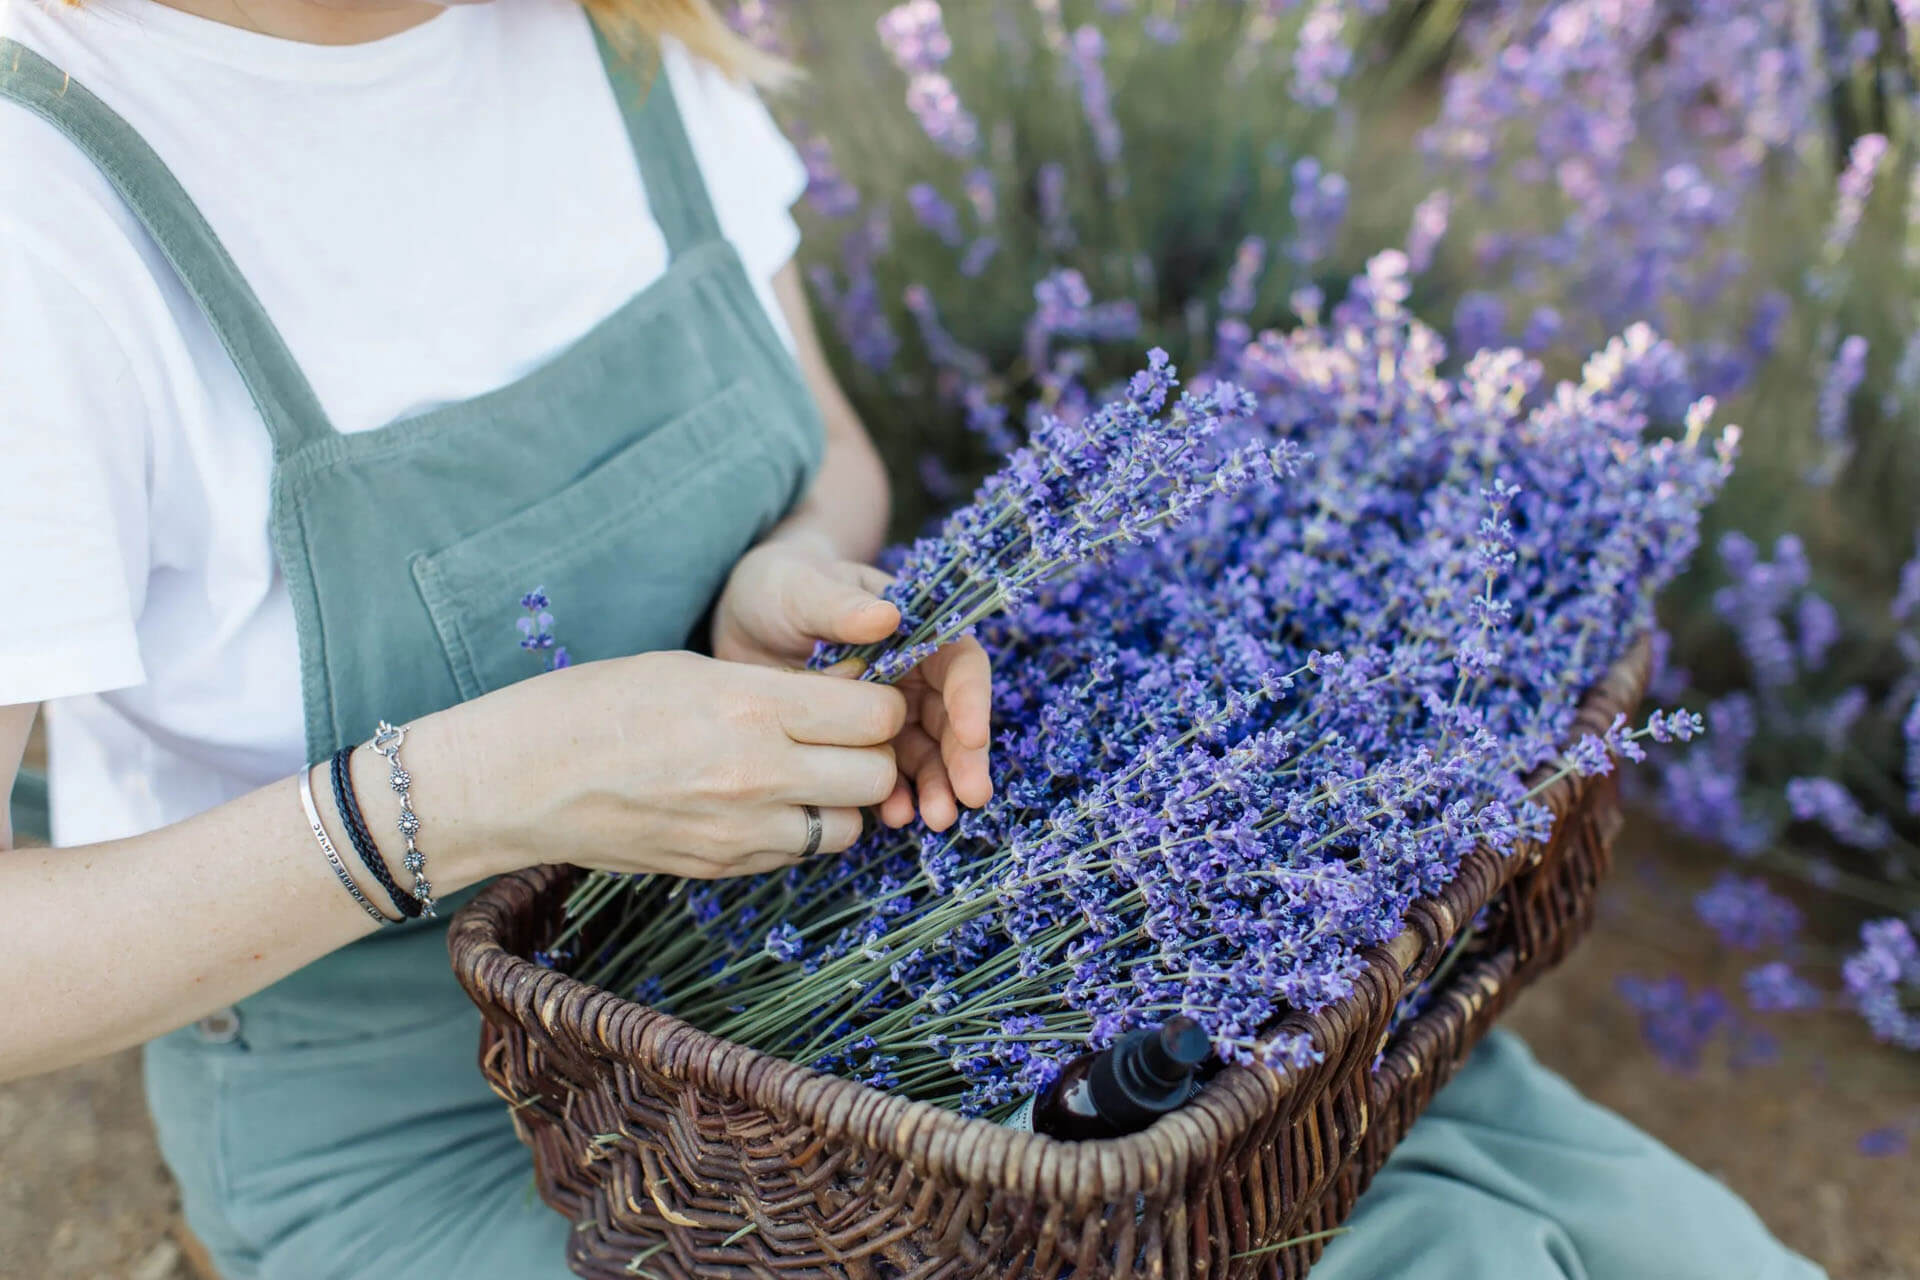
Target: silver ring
(815, 830)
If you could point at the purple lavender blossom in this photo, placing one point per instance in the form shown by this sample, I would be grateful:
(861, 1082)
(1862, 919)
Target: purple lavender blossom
(1884, 1143)
(1676, 1023)
(1701, 790)
(1064, 308)
(1272, 656)
(785, 943)
(1843, 378)
(1428, 226)
(1479, 321)
(854, 297)
(942, 347)
(1086, 51)
(915, 35)
(1319, 211)
(1751, 1046)
(1855, 187)
(1883, 978)
(1050, 191)
(1756, 601)
(1745, 913)
(1543, 329)
(1910, 731)
(1776, 988)
(536, 630)
(828, 192)
(1832, 806)
(933, 212)
(1642, 130)
(1906, 597)
(1243, 279)
(1322, 59)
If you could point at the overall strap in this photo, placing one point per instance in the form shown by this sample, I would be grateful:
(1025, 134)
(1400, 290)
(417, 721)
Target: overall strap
(676, 192)
(280, 390)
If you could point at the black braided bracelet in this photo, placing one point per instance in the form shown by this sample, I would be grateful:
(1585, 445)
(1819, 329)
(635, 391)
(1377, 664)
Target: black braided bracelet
(362, 840)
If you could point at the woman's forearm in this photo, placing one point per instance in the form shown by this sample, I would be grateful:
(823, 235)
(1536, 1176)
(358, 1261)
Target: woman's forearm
(108, 945)
(846, 507)
(849, 502)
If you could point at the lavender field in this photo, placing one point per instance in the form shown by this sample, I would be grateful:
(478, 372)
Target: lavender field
(1729, 189)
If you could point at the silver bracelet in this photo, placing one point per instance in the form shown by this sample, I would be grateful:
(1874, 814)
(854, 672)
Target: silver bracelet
(386, 742)
(333, 856)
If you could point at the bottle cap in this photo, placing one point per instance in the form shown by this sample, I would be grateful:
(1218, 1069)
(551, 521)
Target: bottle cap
(1148, 1073)
(1170, 1056)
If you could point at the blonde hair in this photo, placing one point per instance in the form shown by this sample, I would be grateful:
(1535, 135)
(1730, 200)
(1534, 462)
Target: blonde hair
(695, 24)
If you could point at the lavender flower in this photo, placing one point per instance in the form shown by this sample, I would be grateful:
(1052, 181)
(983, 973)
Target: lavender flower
(1249, 260)
(1776, 988)
(1478, 321)
(1199, 808)
(536, 630)
(935, 214)
(1850, 201)
(1085, 54)
(1883, 978)
(915, 35)
(1064, 308)
(1884, 1142)
(1910, 731)
(1077, 492)
(1322, 59)
(1429, 225)
(1746, 914)
(1319, 210)
(1832, 806)
(1836, 392)
(828, 191)
(1676, 1023)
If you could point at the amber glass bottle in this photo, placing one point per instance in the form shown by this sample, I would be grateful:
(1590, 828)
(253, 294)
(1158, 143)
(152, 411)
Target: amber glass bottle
(1121, 1089)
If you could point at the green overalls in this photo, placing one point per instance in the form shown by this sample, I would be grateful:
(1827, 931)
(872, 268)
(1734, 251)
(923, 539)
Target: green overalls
(334, 1126)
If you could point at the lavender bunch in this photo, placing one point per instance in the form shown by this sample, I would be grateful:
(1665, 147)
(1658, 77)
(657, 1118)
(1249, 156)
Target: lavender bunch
(1080, 489)
(1231, 756)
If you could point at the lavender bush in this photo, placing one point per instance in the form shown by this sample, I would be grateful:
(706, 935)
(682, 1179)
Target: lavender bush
(1230, 753)
(1056, 193)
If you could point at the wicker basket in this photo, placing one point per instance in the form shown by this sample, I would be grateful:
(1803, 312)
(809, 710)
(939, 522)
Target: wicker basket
(685, 1156)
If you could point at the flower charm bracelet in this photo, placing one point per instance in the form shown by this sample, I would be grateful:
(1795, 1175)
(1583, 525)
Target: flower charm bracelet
(386, 742)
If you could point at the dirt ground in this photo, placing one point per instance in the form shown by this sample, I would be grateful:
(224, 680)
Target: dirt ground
(85, 1197)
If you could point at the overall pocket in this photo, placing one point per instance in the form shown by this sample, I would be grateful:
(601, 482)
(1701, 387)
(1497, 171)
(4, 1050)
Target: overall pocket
(631, 553)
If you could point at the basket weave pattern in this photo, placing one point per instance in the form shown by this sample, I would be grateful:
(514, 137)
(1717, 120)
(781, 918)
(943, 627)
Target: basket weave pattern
(686, 1157)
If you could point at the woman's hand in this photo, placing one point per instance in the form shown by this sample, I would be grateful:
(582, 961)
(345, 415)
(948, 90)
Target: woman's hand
(789, 592)
(671, 763)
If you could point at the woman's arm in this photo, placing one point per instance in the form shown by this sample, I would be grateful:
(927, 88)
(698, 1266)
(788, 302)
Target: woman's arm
(664, 762)
(848, 505)
(110, 944)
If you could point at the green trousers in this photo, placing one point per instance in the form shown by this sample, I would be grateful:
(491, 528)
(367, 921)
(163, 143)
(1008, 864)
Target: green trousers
(1511, 1175)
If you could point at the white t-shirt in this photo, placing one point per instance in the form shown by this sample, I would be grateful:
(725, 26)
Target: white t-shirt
(425, 218)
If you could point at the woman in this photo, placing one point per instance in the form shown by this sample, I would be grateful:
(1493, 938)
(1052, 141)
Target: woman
(329, 331)
(330, 327)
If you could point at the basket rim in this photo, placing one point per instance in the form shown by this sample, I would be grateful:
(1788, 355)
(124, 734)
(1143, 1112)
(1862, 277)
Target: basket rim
(948, 1145)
